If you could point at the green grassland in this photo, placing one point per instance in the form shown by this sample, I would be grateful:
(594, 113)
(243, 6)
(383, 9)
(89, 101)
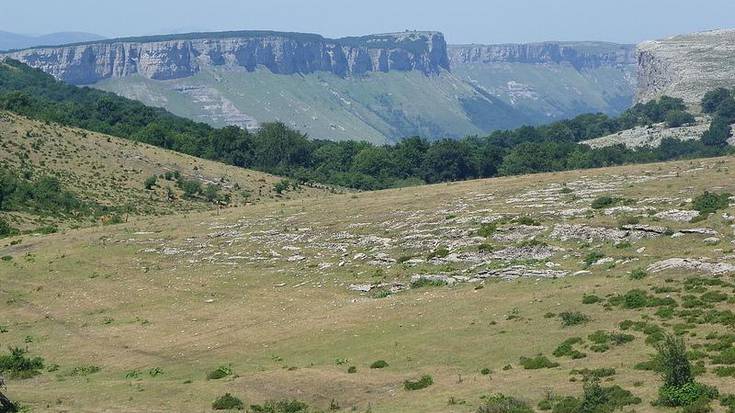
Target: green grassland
(134, 317)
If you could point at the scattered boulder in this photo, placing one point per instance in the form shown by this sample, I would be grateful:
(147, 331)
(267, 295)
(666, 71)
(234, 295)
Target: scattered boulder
(678, 215)
(692, 264)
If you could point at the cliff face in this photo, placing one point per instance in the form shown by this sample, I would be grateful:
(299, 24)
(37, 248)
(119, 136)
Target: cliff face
(581, 55)
(173, 57)
(686, 66)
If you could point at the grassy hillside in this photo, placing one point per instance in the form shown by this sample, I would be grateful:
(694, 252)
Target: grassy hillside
(141, 316)
(112, 172)
(379, 108)
(550, 92)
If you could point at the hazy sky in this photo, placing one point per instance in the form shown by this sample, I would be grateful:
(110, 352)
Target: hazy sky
(462, 21)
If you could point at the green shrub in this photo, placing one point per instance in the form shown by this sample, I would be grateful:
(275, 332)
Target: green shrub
(150, 182)
(573, 318)
(537, 362)
(593, 257)
(6, 230)
(590, 299)
(380, 364)
(228, 402)
(282, 406)
(439, 252)
(685, 394)
(17, 366)
(729, 402)
(500, 403)
(422, 383)
(677, 118)
(566, 349)
(485, 371)
(638, 274)
(487, 230)
(526, 220)
(709, 203)
(603, 202)
(352, 370)
(219, 373)
(725, 371)
(84, 370)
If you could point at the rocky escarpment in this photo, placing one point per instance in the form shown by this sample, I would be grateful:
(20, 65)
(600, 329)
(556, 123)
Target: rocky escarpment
(178, 56)
(686, 66)
(581, 55)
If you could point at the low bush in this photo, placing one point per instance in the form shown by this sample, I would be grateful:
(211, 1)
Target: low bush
(537, 362)
(16, 365)
(573, 318)
(380, 364)
(500, 403)
(219, 373)
(422, 383)
(590, 299)
(282, 406)
(228, 402)
(709, 203)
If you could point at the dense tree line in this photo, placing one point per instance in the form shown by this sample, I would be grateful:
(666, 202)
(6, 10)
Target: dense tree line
(278, 149)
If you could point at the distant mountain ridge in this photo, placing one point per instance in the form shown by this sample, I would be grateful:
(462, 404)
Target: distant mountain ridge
(11, 41)
(176, 56)
(379, 88)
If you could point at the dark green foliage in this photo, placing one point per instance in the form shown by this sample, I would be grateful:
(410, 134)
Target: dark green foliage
(500, 403)
(725, 371)
(590, 299)
(714, 98)
(708, 203)
(485, 371)
(277, 149)
(729, 402)
(282, 406)
(352, 370)
(380, 364)
(685, 394)
(43, 195)
(150, 182)
(487, 230)
(566, 349)
(597, 399)
(718, 133)
(573, 318)
(219, 373)
(638, 274)
(439, 252)
(6, 230)
(604, 202)
(675, 366)
(594, 374)
(593, 257)
(537, 362)
(228, 402)
(677, 118)
(17, 365)
(424, 282)
(422, 383)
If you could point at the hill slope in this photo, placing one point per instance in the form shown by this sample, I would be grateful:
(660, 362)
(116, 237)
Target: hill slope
(112, 173)
(135, 317)
(379, 88)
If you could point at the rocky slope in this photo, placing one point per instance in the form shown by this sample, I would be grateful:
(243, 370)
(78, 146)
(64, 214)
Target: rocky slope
(551, 80)
(173, 57)
(686, 66)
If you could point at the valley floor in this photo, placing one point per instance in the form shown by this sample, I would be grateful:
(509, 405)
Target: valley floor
(291, 294)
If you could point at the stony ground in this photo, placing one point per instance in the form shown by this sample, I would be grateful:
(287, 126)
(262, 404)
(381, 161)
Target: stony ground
(443, 280)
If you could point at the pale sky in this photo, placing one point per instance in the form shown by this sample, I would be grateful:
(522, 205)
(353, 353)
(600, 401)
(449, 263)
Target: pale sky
(462, 21)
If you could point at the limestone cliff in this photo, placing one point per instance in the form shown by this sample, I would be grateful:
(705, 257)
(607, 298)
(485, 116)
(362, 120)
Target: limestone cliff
(178, 56)
(686, 66)
(581, 55)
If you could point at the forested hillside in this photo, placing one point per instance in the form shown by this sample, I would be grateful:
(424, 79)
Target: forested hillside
(275, 148)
